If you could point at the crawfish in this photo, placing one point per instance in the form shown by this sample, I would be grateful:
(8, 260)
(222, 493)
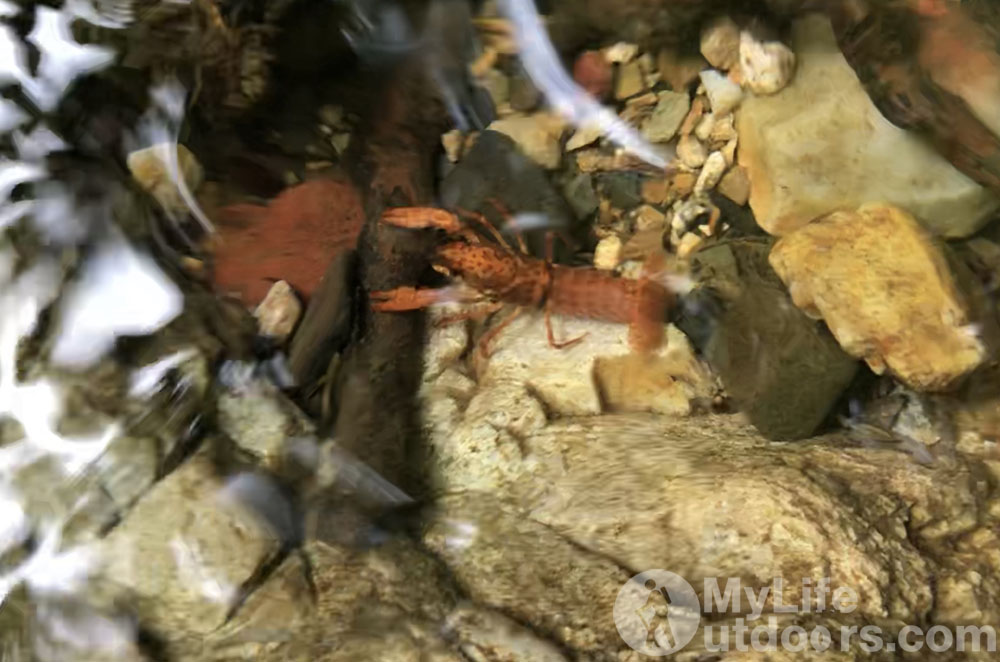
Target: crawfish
(500, 273)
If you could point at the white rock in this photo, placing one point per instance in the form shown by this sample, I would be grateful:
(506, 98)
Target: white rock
(723, 94)
(621, 53)
(720, 43)
(821, 144)
(691, 152)
(608, 253)
(715, 167)
(279, 312)
(767, 67)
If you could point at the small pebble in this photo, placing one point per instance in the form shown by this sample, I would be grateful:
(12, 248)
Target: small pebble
(723, 94)
(689, 244)
(720, 43)
(715, 167)
(691, 152)
(694, 115)
(655, 191)
(766, 67)
(340, 141)
(279, 312)
(723, 129)
(649, 218)
(729, 151)
(630, 81)
(588, 135)
(621, 53)
(686, 213)
(332, 116)
(452, 143)
(704, 129)
(594, 74)
(497, 85)
(671, 109)
(683, 183)
(608, 253)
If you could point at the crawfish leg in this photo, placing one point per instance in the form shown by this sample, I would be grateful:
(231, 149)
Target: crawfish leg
(484, 342)
(505, 212)
(489, 227)
(552, 336)
(549, 252)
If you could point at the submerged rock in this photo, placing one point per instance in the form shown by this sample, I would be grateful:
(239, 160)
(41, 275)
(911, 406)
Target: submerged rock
(671, 109)
(537, 135)
(821, 144)
(784, 370)
(886, 292)
(182, 555)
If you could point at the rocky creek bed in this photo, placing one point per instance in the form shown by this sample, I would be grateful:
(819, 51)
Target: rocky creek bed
(212, 448)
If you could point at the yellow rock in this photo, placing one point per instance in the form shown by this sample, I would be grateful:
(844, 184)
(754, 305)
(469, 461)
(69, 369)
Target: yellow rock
(885, 290)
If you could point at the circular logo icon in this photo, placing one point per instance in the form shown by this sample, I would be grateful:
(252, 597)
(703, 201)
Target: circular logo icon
(657, 612)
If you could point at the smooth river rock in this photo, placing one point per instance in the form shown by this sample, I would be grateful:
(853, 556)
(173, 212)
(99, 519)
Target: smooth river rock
(820, 144)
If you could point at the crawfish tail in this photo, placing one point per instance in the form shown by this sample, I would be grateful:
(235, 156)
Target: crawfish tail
(598, 295)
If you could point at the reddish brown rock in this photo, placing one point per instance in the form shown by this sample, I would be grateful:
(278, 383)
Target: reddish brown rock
(291, 239)
(593, 72)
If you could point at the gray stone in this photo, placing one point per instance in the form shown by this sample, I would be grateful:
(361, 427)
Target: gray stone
(623, 189)
(524, 96)
(498, 86)
(667, 117)
(820, 144)
(580, 195)
(782, 368)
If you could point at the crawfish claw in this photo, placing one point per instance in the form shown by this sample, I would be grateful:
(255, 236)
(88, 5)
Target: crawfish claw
(404, 298)
(421, 218)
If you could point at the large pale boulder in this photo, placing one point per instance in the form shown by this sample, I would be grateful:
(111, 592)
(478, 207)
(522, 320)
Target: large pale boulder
(821, 144)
